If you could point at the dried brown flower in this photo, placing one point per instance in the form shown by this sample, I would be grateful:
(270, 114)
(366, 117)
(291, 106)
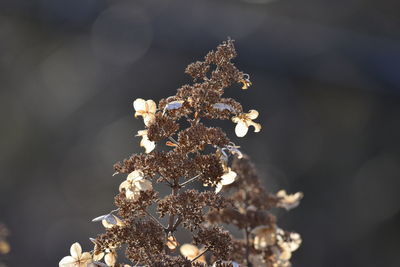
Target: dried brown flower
(201, 155)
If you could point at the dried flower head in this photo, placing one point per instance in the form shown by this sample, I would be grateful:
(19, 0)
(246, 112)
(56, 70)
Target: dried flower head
(195, 155)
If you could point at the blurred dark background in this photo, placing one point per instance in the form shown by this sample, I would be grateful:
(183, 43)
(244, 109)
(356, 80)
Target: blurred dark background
(325, 79)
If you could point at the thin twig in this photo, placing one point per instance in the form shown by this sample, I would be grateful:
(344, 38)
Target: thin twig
(154, 219)
(190, 180)
(173, 140)
(177, 222)
(198, 256)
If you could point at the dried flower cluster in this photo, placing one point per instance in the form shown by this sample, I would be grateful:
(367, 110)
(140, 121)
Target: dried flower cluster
(198, 156)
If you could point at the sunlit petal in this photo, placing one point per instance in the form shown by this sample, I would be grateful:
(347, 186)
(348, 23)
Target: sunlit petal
(253, 114)
(76, 250)
(67, 261)
(139, 104)
(241, 129)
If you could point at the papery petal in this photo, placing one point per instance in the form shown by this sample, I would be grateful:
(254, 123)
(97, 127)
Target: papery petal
(235, 119)
(141, 133)
(257, 126)
(139, 104)
(148, 119)
(151, 106)
(253, 114)
(228, 178)
(218, 188)
(75, 250)
(189, 251)
(110, 259)
(67, 261)
(136, 175)
(241, 128)
(124, 185)
(132, 195)
(286, 253)
(147, 144)
(85, 259)
(97, 257)
(144, 185)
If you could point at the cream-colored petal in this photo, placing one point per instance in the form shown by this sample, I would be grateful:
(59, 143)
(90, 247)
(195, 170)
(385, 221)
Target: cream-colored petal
(147, 144)
(110, 259)
(189, 251)
(289, 201)
(286, 253)
(98, 257)
(143, 185)
(241, 128)
(235, 119)
(295, 241)
(151, 106)
(257, 126)
(124, 185)
(218, 188)
(136, 175)
(228, 178)
(141, 133)
(172, 243)
(67, 261)
(85, 259)
(75, 250)
(148, 119)
(139, 104)
(132, 195)
(252, 114)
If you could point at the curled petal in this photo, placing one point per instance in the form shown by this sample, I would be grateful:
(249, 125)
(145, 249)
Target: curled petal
(257, 126)
(218, 188)
(124, 185)
(253, 114)
(132, 195)
(98, 257)
(241, 128)
(147, 144)
(76, 250)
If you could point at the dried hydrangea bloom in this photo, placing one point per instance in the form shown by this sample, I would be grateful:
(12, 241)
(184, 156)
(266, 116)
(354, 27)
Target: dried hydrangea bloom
(289, 202)
(145, 142)
(146, 109)
(244, 121)
(77, 258)
(146, 220)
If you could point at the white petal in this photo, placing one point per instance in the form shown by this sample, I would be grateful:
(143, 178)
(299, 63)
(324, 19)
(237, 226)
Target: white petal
(218, 188)
(141, 133)
(135, 176)
(228, 178)
(147, 144)
(67, 261)
(241, 129)
(76, 250)
(124, 185)
(110, 259)
(139, 104)
(151, 106)
(148, 119)
(132, 195)
(253, 114)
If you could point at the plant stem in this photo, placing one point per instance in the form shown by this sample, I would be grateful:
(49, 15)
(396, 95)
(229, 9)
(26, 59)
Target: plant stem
(190, 180)
(154, 219)
(198, 256)
(246, 235)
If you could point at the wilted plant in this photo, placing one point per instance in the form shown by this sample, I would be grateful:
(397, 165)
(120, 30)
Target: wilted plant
(196, 154)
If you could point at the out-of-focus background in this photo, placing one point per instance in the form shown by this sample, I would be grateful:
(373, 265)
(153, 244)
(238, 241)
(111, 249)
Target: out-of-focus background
(325, 79)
